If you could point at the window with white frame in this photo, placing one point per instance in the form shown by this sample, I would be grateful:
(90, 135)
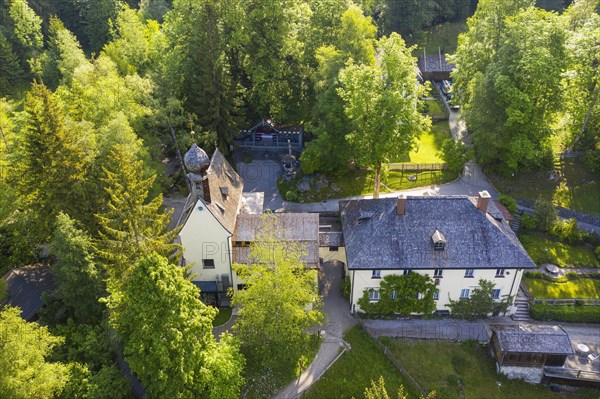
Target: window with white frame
(394, 294)
(407, 271)
(496, 294)
(499, 272)
(469, 272)
(208, 263)
(438, 273)
(464, 293)
(376, 274)
(436, 294)
(374, 294)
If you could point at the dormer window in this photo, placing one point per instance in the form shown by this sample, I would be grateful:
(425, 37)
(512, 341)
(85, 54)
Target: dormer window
(439, 241)
(224, 192)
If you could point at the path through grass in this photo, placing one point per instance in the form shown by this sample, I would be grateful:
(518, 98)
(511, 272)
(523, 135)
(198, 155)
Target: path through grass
(355, 370)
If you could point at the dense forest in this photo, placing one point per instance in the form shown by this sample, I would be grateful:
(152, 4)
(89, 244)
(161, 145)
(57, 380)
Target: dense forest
(94, 95)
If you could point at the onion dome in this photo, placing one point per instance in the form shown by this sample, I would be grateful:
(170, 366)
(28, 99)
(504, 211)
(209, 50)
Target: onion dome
(196, 160)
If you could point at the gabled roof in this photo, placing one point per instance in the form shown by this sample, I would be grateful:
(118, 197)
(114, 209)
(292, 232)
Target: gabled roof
(551, 340)
(435, 63)
(302, 228)
(376, 237)
(225, 187)
(26, 286)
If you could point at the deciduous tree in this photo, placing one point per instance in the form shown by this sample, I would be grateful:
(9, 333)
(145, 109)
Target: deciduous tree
(381, 102)
(277, 307)
(402, 294)
(480, 304)
(167, 332)
(24, 371)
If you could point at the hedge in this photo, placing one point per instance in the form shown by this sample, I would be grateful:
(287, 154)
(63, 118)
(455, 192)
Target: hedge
(572, 314)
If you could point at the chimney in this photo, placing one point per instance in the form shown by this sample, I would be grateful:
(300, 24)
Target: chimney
(483, 200)
(401, 205)
(206, 189)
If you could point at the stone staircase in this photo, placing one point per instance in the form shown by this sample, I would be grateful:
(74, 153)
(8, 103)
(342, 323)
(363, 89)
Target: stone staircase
(522, 313)
(515, 224)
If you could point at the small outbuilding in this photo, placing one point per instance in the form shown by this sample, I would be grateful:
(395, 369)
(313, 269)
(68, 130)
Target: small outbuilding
(435, 67)
(522, 351)
(25, 287)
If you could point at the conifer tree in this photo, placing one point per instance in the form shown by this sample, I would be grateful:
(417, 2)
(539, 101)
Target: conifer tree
(131, 224)
(11, 73)
(50, 160)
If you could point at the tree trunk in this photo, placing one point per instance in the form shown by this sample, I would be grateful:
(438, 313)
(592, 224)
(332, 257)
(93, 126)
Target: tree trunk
(587, 116)
(377, 180)
(182, 164)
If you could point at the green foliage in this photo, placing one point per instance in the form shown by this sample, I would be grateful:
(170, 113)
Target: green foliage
(3, 290)
(592, 161)
(571, 314)
(167, 333)
(50, 161)
(510, 203)
(84, 343)
(545, 214)
(331, 152)
(346, 287)
(370, 91)
(509, 81)
(131, 225)
(567, 231)
(11, 73)
(78, 278)
(24, 372)
(402, 294)
(27, 26)
(455, 154)
(278, 306)
(291, 196)
(108, 383)
(528, 222)
(597, 252)
(479, 304)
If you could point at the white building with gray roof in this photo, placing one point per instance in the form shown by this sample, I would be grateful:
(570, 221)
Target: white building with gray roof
(456, 240)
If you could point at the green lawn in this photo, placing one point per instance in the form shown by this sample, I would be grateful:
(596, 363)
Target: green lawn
(261, 383)
(544, 249)
(580, 188)
(435, 110)
(444, 36)
(360, 182)
(576, 288)
(428, 146)
(222, 317)
(355, 370)
(446, 366)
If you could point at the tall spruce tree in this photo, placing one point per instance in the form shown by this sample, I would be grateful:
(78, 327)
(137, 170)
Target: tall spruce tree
(50, 161)
(11, 73)
(131, 225)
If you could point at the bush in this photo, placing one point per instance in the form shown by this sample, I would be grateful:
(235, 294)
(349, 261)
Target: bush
(567, 230)
(572, 314)
(346, 288)
(528, 222)
(4, 290)
(509, 202)
(545, 214)
(597, 252)
(455, 154)
(591, 161)
(291, 196)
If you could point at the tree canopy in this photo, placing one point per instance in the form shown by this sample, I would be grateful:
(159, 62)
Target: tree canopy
(167, 333)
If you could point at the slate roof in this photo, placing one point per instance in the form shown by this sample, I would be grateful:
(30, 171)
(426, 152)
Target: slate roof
(376, 237)
(331, 239)
(552, 340)
(224, 207)
(26, 286)
(433, 64)
(302, 228)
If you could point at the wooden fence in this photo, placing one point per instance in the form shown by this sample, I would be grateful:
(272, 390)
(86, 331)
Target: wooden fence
(417, 167)
(566, 302)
